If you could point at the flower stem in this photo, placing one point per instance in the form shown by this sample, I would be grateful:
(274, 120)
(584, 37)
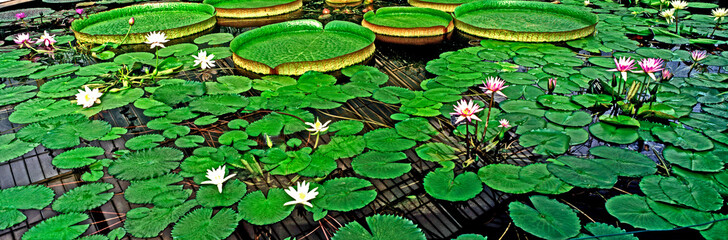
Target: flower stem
(317, 141)
(125, 36)
(715, 28)
(691, 68)
(487, 118)
(677, 23)
(467, 142)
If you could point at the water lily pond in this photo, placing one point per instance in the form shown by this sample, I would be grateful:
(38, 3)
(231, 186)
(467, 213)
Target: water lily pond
(363, 119)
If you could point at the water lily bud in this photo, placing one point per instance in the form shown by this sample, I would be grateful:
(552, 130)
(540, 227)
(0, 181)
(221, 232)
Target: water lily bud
(552, 85)
(326, 11)
(131, 21)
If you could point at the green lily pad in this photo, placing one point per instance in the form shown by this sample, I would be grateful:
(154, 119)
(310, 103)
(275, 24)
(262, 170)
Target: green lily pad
(625, 162)
(585, 173)
(200, 224)
(258, 209)
(10, 147)
(614, 134)
(345, 194)
(683, 138)
(547, 219)
(633, 210)
(568, 118)
(77, 157)
(547, 141)
(61, 227)
(380, 227)
(85, 197)
(387, 140)
(146, 163)
(383, 165)
(695, 161)
(443, 184)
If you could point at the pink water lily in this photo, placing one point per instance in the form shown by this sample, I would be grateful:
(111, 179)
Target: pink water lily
(651, 66)
(698, 55)
(552, 84)
(666, 75)
(466, 110)
(624, 64)
(23, 40)
(504, 123)
(79, 11)
(46, 39)
(493, 85)
(20, 16)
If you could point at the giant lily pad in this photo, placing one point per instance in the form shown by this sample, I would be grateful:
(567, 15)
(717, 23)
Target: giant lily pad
(409, 25)
(253, 8)
(524, 21)
(295, 47)
(174, 19)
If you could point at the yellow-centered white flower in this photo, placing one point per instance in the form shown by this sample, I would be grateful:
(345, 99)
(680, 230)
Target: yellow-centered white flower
(88, 97)
(205, 61)
(719, 13)
(217, 177)
(586, 2)
(317, 127)
(679, 4)
(301, 194)
(156, 39)
(669, 15)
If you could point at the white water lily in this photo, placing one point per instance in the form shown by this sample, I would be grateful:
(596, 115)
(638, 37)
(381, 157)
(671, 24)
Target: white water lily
(586, 3)
(156, 39)
(719, 13)
(88, 97)
(317, 127)
(301, 194)
(679, 4)
(217, 177)
(205, 61)
(669, 15)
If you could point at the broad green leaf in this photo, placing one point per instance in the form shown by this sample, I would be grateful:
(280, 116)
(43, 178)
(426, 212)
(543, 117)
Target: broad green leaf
(547, 219)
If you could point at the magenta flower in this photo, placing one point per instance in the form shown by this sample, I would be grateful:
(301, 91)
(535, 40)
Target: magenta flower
(698, 55)
(651, 66)
(493, 85)
(22, 40)
(20, 16)
(666, 75)
(79, 11)
(466, 110)
(504, 123)
(624, 64)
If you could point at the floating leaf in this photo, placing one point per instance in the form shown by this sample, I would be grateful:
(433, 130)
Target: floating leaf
(388, 227)
(229, 85)
(144, 191)
(387, 140)
(10, 147)
(547, 141)
(214, 39)
(675, 191)
(683, 138)
(258, 209)
(625, 162)
(435, 151)
(200, 224)
(345, 194)
(567, 118)
(61, 227)
(442, 184)
(219, 104)
(149, 222)
(22, 197)
(694, 161)
(209, 196)
(189, 141)
(633, 210)
(77, 157)
(504, 178)
(146, 163)
(418, 129)
(547, 219)
(85, 197)
(381, 165)
(603, 229)
(614, 134)
(585, 173)
(12, 95)
(145, 141)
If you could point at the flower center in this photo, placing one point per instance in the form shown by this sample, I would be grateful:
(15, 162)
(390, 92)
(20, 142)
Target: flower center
(302, 195)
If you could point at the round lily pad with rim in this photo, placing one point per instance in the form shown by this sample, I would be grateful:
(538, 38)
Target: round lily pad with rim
(253, 8)
(409, 25)
(175, 19)
(295, 47)
(524, 21)
(442, 5)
